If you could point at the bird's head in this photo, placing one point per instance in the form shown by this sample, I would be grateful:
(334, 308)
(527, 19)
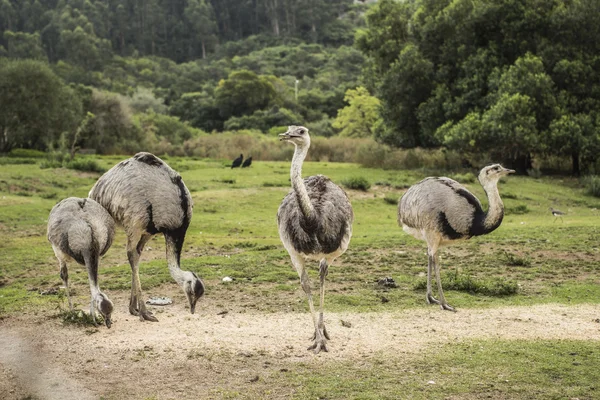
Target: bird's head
(105, 308)
(298, 135)
(193, 287)
(493, 173)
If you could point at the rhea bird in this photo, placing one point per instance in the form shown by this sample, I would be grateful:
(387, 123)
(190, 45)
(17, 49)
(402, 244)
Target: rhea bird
(146, 197)
(237, 162)
(441, 210)
(315, 223)
(82, 230)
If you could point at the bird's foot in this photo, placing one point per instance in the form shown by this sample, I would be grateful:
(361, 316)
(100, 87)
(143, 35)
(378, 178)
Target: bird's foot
(318, 345)
(138, 308)
(431, 299)
(446, 306)
(319, 338)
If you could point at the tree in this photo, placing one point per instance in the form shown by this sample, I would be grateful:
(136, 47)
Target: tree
(244, 92)
(360, 115)
(201, 17)
(24, 45)
(35, 106)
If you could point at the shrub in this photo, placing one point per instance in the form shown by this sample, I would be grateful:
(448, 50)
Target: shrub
(518, 210)
(86, 165)
(357, 183)
(26, 153)
(391, 198)
(469, 177)
(592, 185)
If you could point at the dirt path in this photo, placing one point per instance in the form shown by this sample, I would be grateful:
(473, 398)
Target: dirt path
(194, 356)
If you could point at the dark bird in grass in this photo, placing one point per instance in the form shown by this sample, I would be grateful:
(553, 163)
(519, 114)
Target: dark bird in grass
(441, 210)
(237, 162)
(247, 162)
(557, 214)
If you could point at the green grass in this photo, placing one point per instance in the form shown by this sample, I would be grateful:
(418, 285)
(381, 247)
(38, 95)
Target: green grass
(234, 216)
(530, 259)
(498, 369)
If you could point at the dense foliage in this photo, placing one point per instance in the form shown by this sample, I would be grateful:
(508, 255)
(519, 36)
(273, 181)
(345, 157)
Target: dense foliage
(513, 78)
(516, 81)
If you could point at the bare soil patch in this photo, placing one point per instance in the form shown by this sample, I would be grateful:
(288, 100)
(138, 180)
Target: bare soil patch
(218, 351)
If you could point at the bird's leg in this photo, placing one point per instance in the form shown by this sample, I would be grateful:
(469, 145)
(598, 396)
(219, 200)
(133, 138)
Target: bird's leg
(319, 340)
(323, 270)
(442, 302)
(429, 297)
(64, 275)
(91, 264)
(137, 306)
(93, 311)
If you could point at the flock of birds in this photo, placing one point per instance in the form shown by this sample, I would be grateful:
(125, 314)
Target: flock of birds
(146, 197)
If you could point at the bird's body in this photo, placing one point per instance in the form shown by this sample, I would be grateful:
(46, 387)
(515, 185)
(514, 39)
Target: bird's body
(237, 162)
(247, 162)
(145, 196)
(557, 214)
(441, 210)
(82, 230)
(315, 223)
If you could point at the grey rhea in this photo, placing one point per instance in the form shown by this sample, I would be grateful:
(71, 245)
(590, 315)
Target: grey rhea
(146, 196)
(315, 222)
(441, 210)
(82, 230)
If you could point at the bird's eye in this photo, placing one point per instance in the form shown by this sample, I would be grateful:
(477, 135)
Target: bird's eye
(302, 131)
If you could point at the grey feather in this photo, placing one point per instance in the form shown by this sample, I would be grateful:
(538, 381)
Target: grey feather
(441, 210)
(82, 230)
(146, 196)
(315, 222)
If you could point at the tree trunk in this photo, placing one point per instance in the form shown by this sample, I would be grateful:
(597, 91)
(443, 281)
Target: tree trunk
(575, 161)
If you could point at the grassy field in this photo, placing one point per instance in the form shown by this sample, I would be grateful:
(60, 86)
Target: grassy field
(533, 258)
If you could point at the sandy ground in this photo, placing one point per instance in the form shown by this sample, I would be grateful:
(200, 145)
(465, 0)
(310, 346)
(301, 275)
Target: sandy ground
(214, 352)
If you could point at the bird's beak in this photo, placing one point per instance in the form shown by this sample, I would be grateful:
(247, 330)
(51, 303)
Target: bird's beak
(509, 171)
(108, 322)
(284, 136)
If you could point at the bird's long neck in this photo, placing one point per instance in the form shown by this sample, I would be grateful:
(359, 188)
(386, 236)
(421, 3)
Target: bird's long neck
(298, 183)
(495, 213)
(173, 250)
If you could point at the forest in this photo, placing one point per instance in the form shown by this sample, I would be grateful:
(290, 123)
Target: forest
(515, 81)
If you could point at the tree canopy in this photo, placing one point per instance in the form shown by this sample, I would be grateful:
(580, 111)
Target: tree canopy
(510, 78)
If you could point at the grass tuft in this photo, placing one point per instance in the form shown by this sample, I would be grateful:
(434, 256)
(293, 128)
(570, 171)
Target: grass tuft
(391, 198)
(466, 283)
(592, 185)
(517, 210)
(515, 260)
(357, 183)
(79, 318)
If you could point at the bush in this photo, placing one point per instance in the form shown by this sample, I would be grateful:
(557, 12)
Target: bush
(26, 153)
(592, 185)
(357, 183)
(518, 210)
(391, 198)
(85, 165)
(469, 177)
